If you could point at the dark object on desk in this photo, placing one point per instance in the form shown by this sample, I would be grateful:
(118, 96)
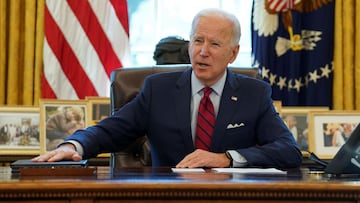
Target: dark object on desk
(347, 159)
(58, 172)
(317, 160)
(28, 164)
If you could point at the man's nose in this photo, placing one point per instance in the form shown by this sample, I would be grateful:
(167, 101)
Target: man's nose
(204, 50)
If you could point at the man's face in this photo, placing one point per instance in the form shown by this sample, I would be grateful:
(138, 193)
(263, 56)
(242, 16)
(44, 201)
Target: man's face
(210, 49)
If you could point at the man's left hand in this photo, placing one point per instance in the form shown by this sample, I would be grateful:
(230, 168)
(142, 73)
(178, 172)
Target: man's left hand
(201, 158)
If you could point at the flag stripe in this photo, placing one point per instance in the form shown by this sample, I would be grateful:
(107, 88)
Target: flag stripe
(98, 39)
(115, 30)
(54, 75)
(46, 88)
(120, 9)
(68, 60)
(280, 5)
(82, 47)
(80, 36)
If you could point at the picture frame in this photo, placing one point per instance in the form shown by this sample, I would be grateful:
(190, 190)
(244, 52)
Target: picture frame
(329, 130)
(278, 106)
(296, 118)
(56, 124)
(19, 130)
(98, 109)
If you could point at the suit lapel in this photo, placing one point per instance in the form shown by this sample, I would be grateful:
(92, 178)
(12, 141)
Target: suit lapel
(183, 114)
(228, 103)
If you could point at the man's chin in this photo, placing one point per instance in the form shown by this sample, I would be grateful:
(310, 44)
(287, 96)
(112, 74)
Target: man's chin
(202, 69)
(203, 75)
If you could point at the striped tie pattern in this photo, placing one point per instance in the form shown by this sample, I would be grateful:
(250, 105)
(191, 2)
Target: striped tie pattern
(205, 121)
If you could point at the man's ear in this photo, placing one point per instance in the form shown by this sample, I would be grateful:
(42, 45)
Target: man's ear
(234, 53)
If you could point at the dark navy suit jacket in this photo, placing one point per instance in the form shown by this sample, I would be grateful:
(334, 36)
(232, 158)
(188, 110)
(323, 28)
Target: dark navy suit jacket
(246, 122)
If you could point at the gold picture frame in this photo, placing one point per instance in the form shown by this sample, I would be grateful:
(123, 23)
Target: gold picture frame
(296, 118)
(98, 109)
(55, 122)
(19, 130)
(278, 106)
(329, 131)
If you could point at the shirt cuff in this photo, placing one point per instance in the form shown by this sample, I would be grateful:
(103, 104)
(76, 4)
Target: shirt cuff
(78, 146)
(238, 159)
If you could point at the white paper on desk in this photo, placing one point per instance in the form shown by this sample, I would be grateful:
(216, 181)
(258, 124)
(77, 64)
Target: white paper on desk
(187, 170)
(249, 170)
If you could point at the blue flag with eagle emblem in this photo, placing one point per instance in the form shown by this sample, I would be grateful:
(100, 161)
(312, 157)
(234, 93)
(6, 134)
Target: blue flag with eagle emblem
(292, 44)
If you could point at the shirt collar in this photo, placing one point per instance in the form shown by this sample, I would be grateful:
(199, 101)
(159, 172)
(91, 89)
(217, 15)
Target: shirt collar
(196, 85)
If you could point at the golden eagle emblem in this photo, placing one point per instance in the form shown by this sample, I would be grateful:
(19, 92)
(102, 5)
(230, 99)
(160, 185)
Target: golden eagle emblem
(265, 20)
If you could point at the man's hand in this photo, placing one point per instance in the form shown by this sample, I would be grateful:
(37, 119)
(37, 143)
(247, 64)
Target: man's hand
(64, 152)
(201, 158)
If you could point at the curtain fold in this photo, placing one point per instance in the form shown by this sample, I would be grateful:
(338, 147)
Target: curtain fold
(3, 52)
(21, 37)
(357, 55)
(346, 85)
(15, 56)
(39, 38)
(29, 47)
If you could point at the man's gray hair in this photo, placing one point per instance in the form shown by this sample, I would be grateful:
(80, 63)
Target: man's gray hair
(236, 29)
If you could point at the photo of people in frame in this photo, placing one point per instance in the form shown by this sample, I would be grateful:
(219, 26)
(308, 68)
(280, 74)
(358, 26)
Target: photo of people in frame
(19, 130)
(336, 134)
(298, 125)
(61, 121)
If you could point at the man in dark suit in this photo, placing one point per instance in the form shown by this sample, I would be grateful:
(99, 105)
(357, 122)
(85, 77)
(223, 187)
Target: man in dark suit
(248, 131)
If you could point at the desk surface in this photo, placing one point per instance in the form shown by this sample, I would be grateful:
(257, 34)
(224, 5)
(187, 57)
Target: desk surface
(144, 184)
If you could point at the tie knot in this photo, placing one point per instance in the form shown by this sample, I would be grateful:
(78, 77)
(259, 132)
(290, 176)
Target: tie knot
(207, 91)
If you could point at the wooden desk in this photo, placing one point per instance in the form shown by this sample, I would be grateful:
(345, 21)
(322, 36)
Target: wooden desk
(161, 185)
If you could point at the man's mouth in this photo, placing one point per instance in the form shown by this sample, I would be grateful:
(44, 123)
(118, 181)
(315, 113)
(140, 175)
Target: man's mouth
(203, 64)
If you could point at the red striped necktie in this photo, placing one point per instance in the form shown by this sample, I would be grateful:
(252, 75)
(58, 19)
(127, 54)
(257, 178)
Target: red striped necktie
(205, 121)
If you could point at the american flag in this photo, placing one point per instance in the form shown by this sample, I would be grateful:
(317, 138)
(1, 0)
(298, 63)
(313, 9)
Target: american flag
(84, 41)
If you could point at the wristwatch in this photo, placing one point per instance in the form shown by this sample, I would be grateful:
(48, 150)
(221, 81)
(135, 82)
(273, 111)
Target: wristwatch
(228, 155)
(237, 160)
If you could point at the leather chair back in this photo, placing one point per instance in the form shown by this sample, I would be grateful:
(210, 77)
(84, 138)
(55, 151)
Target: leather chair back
(126, 83)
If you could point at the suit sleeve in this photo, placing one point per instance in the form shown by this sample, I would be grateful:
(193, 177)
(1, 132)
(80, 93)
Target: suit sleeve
(276, 147)
(118, 131)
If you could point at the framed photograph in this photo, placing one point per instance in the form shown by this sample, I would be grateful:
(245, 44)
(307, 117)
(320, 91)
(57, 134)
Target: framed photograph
(330, 130)
(19, 131)
(59, 119)
(296, 118)
(98, 109)
(278, 106)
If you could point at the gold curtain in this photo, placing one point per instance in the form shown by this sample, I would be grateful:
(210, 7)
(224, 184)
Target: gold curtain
(346, 85)
(21, 41)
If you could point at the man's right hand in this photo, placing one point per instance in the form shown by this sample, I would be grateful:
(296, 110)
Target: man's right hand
(63, 152)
